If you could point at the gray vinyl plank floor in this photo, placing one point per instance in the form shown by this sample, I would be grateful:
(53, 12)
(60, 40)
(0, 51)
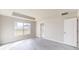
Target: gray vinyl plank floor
(37, 44)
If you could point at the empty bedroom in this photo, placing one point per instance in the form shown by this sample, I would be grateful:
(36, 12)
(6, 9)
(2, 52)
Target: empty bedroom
(39, 29)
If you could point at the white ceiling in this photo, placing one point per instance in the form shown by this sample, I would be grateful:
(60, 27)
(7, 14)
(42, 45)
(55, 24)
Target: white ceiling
(41, 13)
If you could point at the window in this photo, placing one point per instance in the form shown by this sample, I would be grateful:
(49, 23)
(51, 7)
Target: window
(27, 28)
(19, 29)
(22, 28)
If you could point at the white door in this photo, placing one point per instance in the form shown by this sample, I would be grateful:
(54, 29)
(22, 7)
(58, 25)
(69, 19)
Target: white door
(70, 32)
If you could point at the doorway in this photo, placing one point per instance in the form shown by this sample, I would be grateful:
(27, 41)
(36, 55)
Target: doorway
(42, 30)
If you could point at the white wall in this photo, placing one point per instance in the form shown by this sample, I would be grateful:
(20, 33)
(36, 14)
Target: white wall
(54, 29)
(7, 29)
